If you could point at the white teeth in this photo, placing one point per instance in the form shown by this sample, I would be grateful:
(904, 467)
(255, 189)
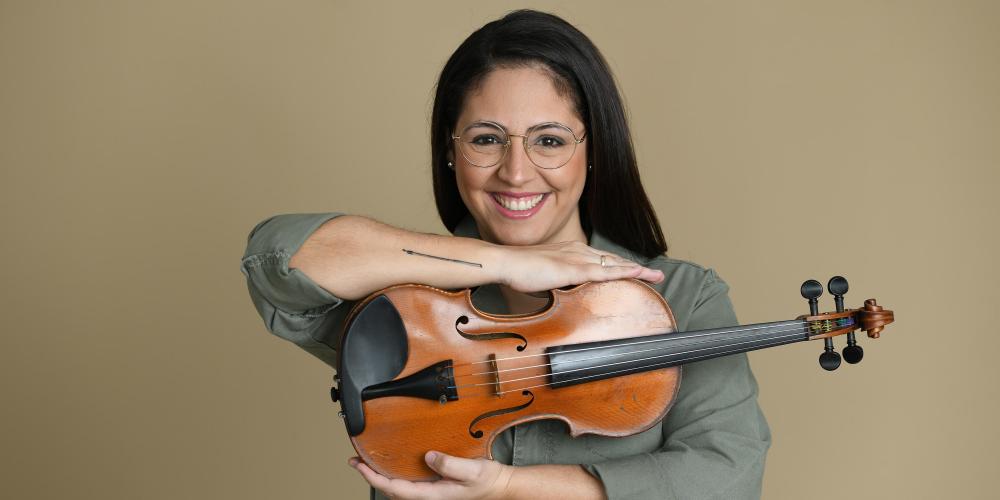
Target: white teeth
(518, 204)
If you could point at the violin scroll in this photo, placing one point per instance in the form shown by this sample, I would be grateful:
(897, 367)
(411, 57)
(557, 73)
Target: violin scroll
(872, 318)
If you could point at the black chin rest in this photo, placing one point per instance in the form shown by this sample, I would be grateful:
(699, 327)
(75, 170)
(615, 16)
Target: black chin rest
(374, 350)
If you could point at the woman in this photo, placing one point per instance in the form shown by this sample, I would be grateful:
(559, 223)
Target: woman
(535, 176)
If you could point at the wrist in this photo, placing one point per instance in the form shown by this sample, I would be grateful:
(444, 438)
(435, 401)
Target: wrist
(552, 481)
(503, 485)
(495, 258)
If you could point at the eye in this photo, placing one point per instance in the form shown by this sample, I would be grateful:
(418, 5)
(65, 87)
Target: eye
(549, 141)
(486, 140)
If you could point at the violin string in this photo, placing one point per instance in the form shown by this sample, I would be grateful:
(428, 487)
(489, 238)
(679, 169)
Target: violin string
(767, 327)
(677, 336)
(669, 339)
(666, 363)
(794, 334)
(781, 338)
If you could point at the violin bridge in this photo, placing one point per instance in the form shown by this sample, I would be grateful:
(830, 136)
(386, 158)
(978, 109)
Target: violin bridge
(496, 375)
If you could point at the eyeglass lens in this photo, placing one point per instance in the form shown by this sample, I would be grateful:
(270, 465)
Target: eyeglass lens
(548, 146)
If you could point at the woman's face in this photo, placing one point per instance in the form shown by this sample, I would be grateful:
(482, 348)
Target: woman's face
(516, 99)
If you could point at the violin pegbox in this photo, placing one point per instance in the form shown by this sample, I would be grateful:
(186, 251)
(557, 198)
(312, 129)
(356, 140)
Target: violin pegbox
(871, 318)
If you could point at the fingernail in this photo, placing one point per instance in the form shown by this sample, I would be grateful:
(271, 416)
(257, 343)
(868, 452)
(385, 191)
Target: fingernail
(431, 456)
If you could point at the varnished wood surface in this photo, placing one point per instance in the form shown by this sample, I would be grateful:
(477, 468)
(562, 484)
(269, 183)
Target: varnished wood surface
(399, 430)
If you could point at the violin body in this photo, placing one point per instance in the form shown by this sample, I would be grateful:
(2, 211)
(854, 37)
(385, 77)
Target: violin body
(500, 379)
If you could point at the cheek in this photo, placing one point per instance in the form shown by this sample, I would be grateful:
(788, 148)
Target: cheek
(469, 185)
(571, 181)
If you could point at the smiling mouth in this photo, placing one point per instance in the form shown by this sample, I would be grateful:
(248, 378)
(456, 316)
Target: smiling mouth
(518, 204)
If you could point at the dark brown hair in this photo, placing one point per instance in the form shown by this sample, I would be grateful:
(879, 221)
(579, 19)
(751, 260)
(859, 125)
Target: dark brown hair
(613, 202)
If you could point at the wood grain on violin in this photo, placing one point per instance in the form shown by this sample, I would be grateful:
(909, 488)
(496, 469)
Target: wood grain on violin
(421, 368)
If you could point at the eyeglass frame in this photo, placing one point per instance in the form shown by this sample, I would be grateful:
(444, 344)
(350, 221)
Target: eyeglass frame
(524, 142)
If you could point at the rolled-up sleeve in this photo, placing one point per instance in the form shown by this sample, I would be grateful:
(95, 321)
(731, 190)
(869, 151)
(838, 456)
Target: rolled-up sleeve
(716, 437)
(292, 306)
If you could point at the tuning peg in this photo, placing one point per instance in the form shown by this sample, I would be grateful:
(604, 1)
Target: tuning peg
(829, 360)
(811, 290)
(838, 288)
(853, 352)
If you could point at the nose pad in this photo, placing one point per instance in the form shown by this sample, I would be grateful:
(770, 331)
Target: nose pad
(516, 167)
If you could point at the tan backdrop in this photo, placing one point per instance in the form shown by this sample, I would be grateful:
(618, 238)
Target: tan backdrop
(140, 142)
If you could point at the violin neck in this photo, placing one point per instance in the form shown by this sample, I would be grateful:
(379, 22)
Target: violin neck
(580, 363)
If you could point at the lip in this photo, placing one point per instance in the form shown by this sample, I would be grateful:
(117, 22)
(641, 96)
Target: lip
(524, 214)
(508, 194)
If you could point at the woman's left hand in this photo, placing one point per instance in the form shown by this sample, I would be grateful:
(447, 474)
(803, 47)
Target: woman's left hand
(461, 478)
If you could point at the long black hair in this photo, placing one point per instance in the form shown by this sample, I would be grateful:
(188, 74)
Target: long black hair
(613, 201)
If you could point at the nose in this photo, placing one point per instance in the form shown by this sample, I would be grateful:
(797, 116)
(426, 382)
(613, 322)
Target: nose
(516, 168)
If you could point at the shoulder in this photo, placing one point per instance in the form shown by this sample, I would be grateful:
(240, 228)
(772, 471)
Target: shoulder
(686, 271)
(696, 294)
(680, 273)
(685, 277)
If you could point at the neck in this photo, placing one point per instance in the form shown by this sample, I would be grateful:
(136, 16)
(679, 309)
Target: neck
(580, 363)
(523, 303)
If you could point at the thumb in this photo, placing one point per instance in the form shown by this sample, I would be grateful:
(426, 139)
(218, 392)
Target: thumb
(449, 467)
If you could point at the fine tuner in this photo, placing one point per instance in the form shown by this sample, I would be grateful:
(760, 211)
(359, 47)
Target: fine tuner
(830, 360)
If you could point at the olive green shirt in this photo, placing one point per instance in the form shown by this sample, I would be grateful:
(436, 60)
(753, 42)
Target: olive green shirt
(712, 444)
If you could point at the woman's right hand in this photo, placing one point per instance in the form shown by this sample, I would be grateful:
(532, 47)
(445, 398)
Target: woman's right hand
(538, 268)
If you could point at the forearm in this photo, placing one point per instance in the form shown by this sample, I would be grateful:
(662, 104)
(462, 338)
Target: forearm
(542, 482)
(353, 256)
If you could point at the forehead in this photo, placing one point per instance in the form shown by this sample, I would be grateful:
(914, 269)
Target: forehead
(518, 98)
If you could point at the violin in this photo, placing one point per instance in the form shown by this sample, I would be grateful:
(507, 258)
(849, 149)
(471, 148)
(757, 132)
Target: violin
(421, 368)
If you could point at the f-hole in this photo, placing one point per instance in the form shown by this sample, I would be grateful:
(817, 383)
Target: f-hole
(478, 434)
(464, 320)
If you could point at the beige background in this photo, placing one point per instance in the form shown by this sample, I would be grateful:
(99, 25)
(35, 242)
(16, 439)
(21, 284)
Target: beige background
(140, 142)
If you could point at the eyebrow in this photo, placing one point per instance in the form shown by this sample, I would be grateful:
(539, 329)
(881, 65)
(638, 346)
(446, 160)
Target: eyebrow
(545, 125)
(486, 122)
(537, 126)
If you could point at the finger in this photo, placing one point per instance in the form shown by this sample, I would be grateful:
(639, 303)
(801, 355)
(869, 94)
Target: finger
(449, 467)
(622, 272)
(394, 488)
(617, 260)
(645, 274)
(609, 273)
(604, 258)
(622, 263)
(651, 275)
(373, 478)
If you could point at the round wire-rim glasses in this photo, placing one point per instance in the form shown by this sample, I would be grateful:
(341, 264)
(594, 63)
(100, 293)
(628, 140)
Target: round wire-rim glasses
(548, 145)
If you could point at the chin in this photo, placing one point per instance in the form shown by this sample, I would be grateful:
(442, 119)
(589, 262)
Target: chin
(518, 238)
(520, 242)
